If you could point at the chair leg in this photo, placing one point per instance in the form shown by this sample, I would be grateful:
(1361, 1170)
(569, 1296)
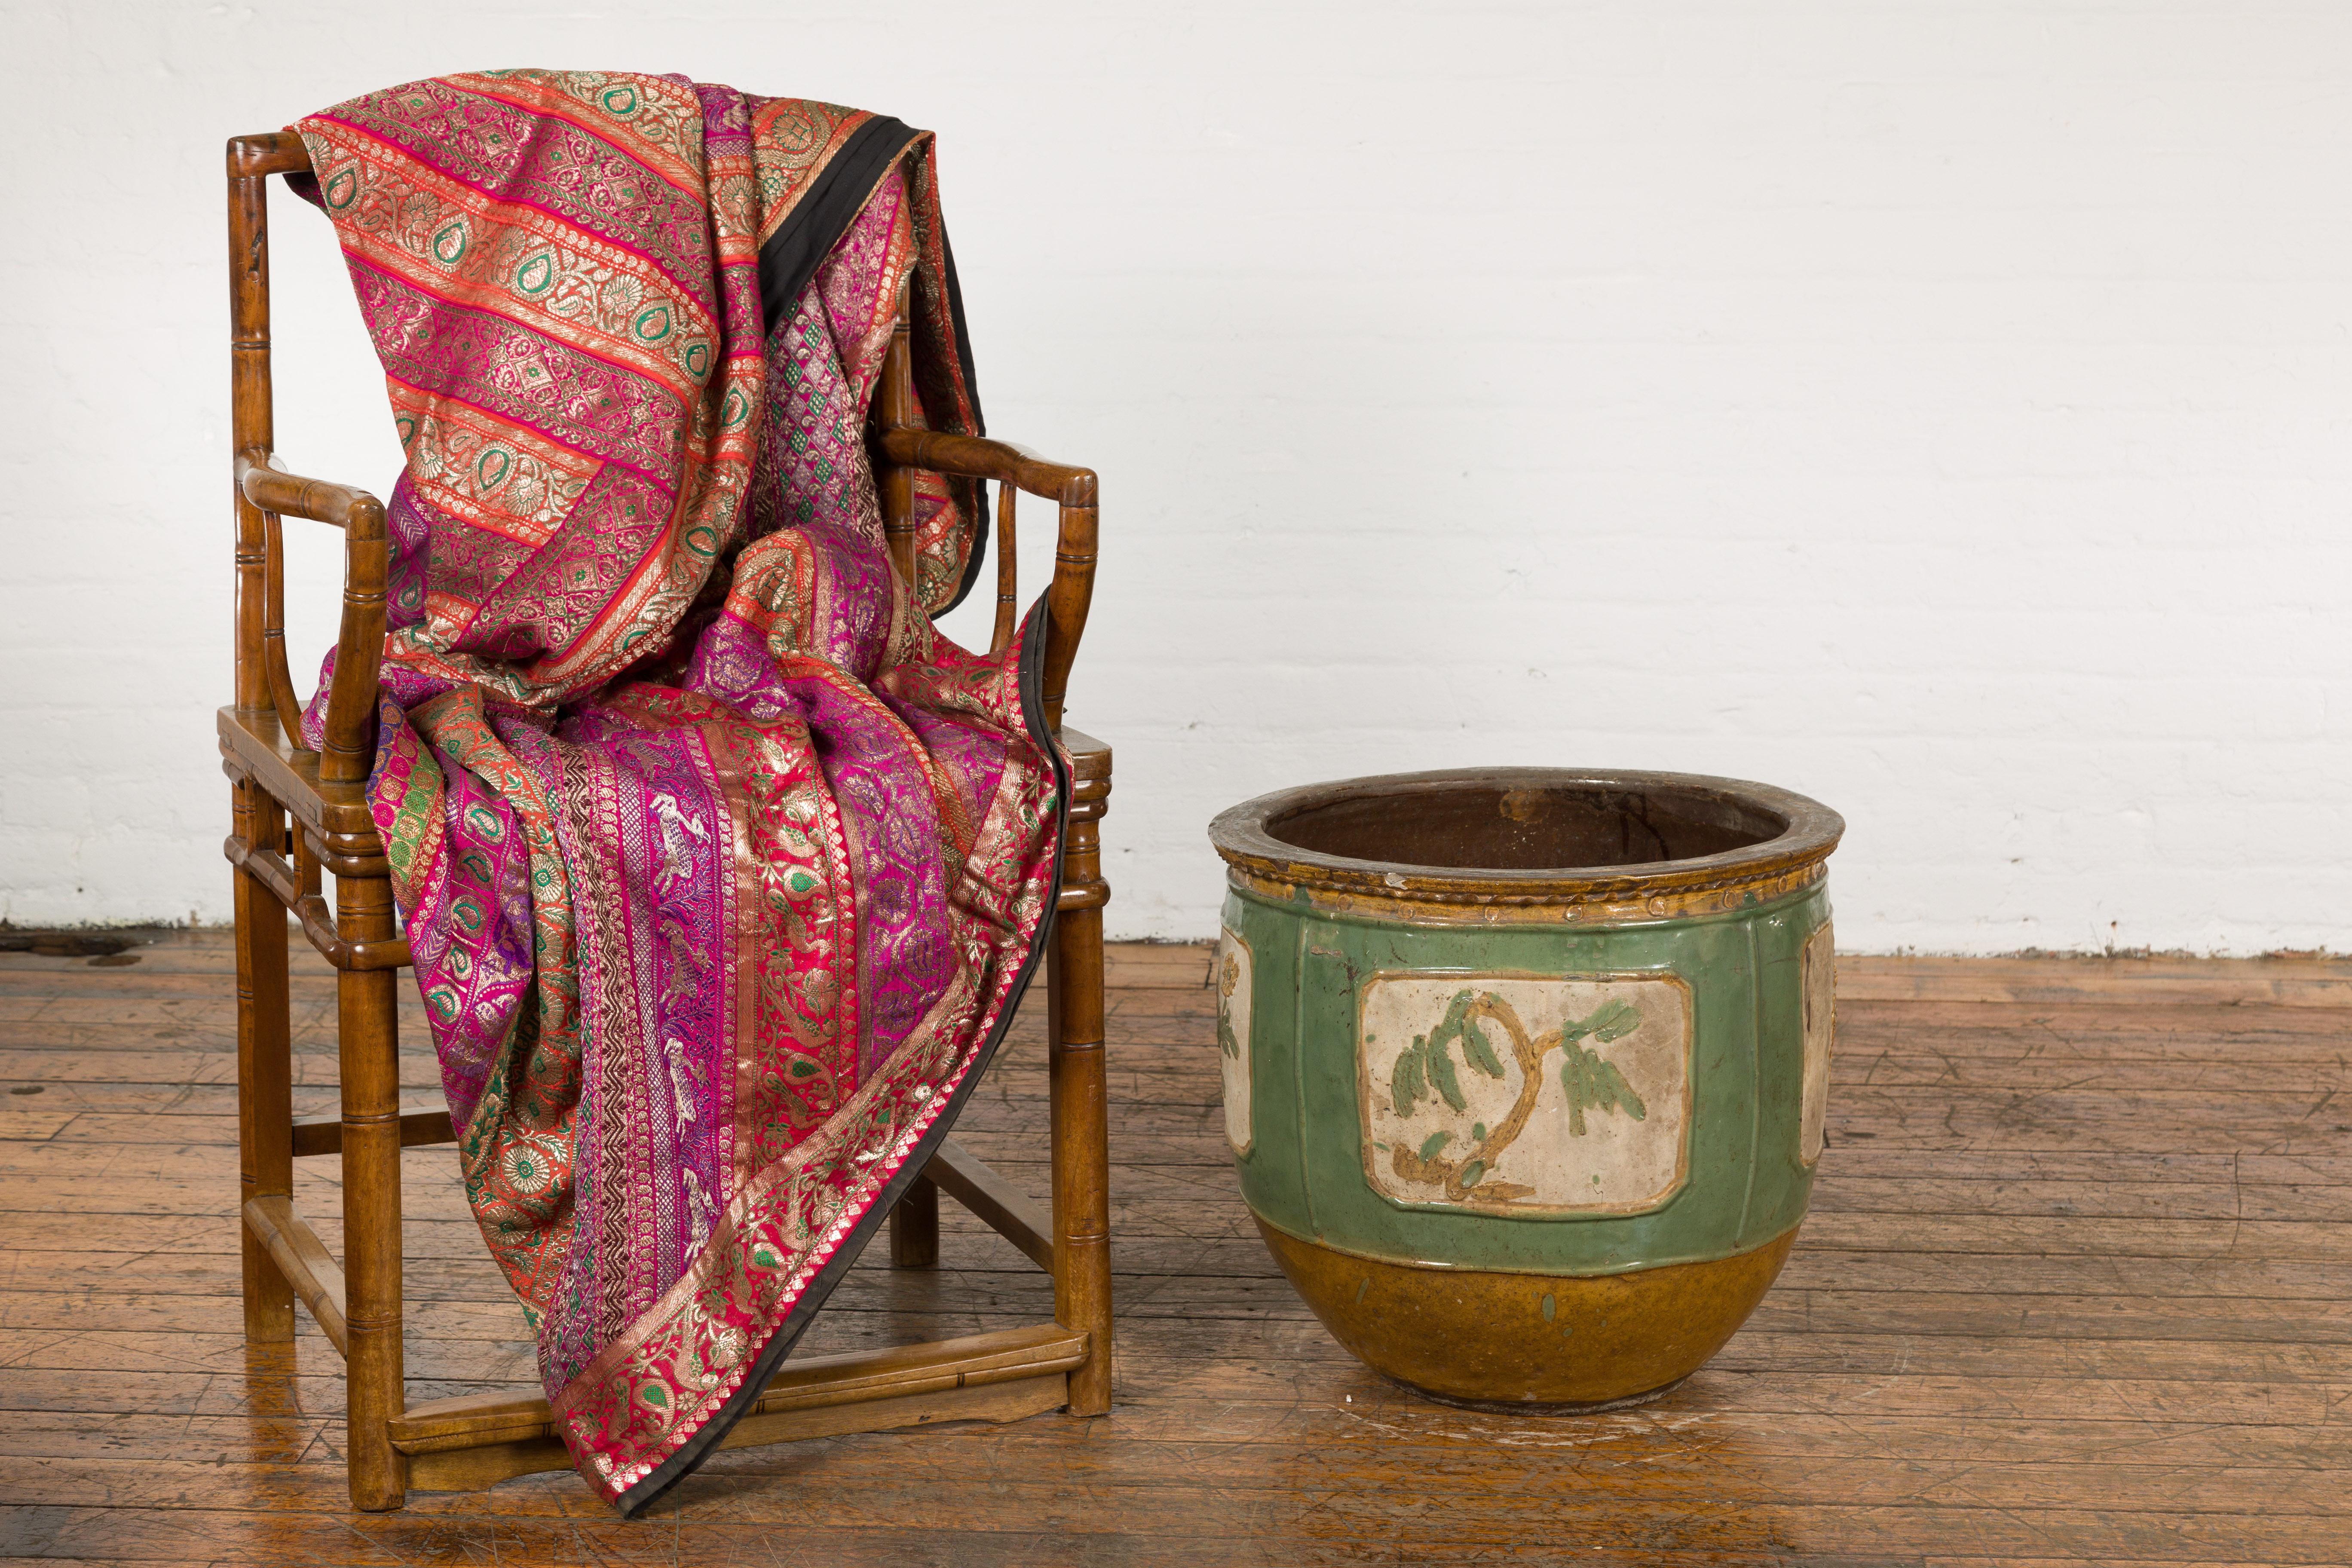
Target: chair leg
(264, 1070)
(915, 1226)
(368, 1020)
(1074, 1001)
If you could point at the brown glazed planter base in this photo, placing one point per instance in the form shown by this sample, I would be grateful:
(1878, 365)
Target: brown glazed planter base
(1529, 1343)
(1538, 1408)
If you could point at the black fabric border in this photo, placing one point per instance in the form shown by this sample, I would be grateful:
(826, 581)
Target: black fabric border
(963, 331)
(792, 255)
(980, 524)
(682, 1463)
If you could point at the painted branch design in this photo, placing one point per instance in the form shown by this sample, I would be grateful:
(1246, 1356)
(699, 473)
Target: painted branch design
(1425, 1069)
(1229, 975)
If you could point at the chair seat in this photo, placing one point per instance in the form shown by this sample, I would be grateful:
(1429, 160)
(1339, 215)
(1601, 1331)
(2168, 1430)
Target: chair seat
(332, 829)
(1089, 758)
(253, 745)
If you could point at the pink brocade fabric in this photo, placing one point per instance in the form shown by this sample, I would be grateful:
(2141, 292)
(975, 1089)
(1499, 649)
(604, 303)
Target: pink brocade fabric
(719, 866)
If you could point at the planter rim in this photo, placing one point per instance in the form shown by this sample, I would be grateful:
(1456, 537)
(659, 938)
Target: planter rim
(1810, 831)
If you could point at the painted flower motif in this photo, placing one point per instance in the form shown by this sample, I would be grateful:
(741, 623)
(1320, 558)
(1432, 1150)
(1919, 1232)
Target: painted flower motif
(1228, 978)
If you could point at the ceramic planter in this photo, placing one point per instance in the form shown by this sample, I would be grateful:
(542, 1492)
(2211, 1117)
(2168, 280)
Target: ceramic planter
(1524, 1069)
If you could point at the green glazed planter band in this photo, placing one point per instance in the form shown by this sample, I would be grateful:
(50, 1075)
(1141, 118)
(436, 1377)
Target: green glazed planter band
(1527, 1021)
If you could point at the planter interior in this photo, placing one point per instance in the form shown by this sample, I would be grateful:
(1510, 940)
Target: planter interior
(1527, 826)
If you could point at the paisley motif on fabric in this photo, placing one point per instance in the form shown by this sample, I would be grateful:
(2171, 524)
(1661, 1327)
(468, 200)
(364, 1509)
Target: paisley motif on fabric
(720, 868)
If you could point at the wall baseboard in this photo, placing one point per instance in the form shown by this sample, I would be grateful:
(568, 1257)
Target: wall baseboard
(2166, 982)
(2174, 982)
(1861, 977)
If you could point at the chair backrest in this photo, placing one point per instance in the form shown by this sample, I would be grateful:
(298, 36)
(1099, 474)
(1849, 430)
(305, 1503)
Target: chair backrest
(265, 493)
(265, 683)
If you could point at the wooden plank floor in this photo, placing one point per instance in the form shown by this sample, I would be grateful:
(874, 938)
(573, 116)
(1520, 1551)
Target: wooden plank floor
(2076, 1287)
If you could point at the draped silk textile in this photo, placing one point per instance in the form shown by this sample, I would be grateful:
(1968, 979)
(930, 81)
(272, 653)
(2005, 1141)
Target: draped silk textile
(720, 868)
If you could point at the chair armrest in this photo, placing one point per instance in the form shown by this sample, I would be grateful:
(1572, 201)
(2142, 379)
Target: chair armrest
(350, 749)
(976, 458)
(1076, 490)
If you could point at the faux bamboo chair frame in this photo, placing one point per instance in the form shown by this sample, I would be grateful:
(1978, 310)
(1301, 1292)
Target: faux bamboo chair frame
(478, 1440)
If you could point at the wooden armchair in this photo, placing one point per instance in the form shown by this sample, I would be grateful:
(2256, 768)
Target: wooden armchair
(475, 1441)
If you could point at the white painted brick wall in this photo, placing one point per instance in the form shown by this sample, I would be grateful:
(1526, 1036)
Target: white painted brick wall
(1941, 409)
